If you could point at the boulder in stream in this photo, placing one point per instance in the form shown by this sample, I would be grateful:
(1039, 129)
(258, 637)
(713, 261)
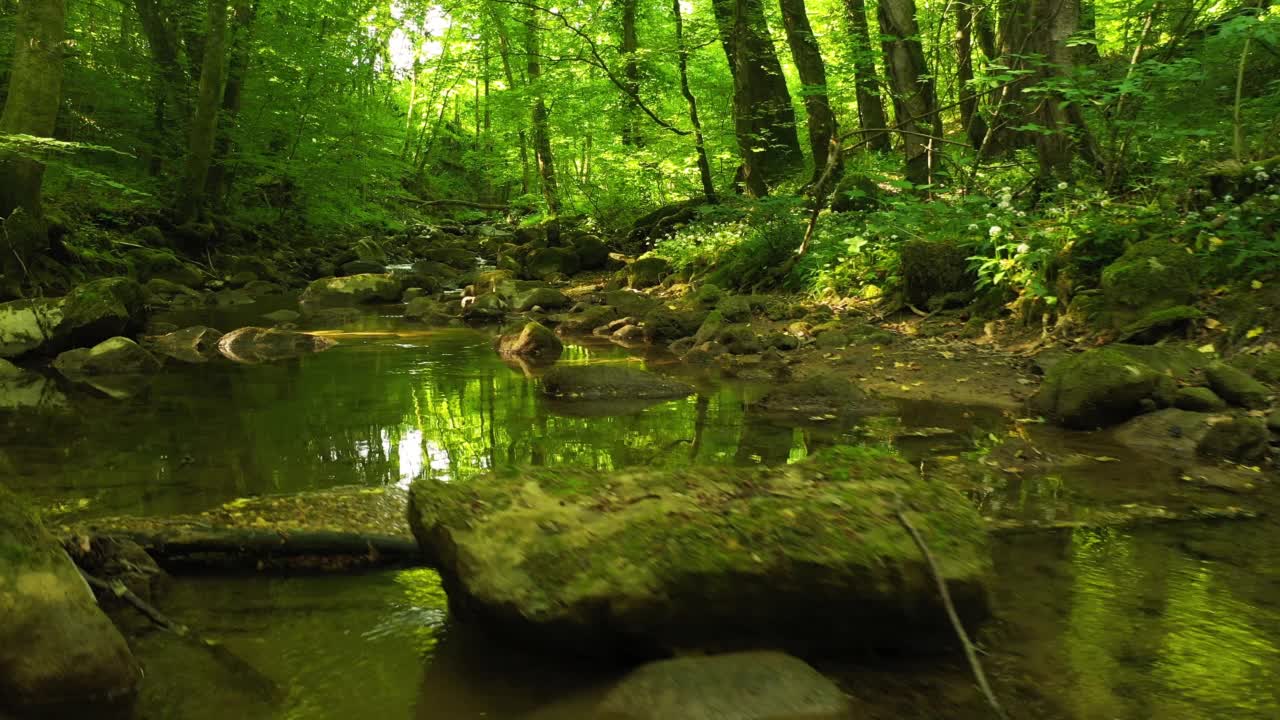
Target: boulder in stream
(1186, 437)
(255, 345)
(58, 652)
(545, 298)
(351, 290)
(534, 342)
(609, 382)
(114, 356)
(89, 314)
(810, 558)
(195, 344)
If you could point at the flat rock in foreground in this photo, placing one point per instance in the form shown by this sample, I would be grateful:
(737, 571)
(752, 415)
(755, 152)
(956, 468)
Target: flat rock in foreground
(609, 382)
(808, 558)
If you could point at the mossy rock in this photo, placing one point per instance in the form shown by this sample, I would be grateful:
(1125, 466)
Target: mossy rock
(451, 256)
(545, 298)
(351, 291)
(630, 303)
(647, 272)
(60, 656)
(932, 268)
(427, 311)
(1179, 362)
(739, 339)
(254, 345)
(27, 326)
(98, 310)
(1159, 324)
(856, 192)
(1241, 439)
(664, 325)
(609, 382)
(145, 264)
(593, 253)
(586, 320)
(1198, 399)
(1265, 367)
(546, 262)
(1101, 387)
(1151, 275)
(1236, 386)
(534, 341)
(114, 356)
(709, 295)
(809, 557)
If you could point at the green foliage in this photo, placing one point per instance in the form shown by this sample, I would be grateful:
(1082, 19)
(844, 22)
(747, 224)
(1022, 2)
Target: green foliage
(740, 247)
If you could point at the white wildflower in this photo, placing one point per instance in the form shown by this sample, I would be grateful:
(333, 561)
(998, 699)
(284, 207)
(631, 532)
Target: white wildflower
(1023, 249)
(1022, 213)
(1062, 186)
(973, 227)
(995, 231)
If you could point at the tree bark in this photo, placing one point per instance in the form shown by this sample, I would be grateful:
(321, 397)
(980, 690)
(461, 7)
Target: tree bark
(630, 74)
(31, 108)
(541, 130)
(975, 127)
(204, 126)
(700, 145)
(764, 119)
(219, 185)
(1056, 21)
(915, 104)
(813, 73)
(871, 112)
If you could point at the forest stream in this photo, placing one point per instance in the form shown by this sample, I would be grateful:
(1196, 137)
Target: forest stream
(1176, 621)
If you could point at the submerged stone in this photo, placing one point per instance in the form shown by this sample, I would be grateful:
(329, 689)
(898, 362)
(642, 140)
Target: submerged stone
(58, 652)
(1183, 436)
(737, 686)
(819, 396)
(196, 344)
(607, 382)
(115, 356)
(809, 557)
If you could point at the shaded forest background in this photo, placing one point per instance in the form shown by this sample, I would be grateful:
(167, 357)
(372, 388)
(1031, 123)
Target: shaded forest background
(1029, 141)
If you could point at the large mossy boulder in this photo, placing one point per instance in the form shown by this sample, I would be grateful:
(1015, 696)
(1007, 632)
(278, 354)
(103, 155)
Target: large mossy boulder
(102, 309)
(1185, 437)
(934, 268)
(146, 264)
(647, 272)
(809, 557)
(26, 326)
(59, 654)
(1101, 387)
(586, 319)
(663, 325)
(737, 686)
(534, 341)
(593, 253)
(350, 291)
(543, 297)
(609, 382)
(254, 345)
(544, 263)
(1151, 275)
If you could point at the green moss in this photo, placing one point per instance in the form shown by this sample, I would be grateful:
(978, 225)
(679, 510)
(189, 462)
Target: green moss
(22, 535)
(1155, 325)
(1151, 274)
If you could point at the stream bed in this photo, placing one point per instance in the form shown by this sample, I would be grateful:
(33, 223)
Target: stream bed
(1180, 621)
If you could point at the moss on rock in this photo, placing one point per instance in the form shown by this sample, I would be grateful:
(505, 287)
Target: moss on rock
(1151, 275)
(1101, 387)
(809, 557)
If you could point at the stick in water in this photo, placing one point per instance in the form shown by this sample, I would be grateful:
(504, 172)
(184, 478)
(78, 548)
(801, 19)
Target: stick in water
(969, 651)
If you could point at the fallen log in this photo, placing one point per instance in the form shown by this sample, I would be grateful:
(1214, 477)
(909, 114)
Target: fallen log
(178, 541)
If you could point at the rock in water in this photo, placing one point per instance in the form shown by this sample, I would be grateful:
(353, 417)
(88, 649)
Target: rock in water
(196, 344)
(609, 382)
(818, 396)
(101, 309)
(1100, 388)
(28, 325)
(114, 356)
(58, 651)
(253, 345)
(351, 290)
(738, 686)
(534, 341)
(808, 557)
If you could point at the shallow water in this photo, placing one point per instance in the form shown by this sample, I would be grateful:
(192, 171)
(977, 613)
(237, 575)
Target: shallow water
(1181, 622)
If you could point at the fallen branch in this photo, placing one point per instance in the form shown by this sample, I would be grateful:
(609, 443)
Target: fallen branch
(118, 589)
(178, 542)
(974, 664)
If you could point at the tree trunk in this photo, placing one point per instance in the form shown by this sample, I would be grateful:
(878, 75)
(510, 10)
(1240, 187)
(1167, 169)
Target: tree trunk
(1014, 44)
(504, 53)
(204, 126)
(870, 107)
(700, 145)
(975, 127)
(162, 40)
(813, 73)
(1056, 21)
(914, 102)
(31, 108)
(219, 185)
(764, 119)
(630, 74)
(541, 132)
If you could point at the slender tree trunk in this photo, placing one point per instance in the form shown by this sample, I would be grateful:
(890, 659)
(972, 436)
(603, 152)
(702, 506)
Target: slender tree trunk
(31, 108)
(764, 119)
(504, 52)
(162, 40)
(540, 120)
(871, 112)
(219, 185)
(700, 145)
(813, 73)
(1056, 21)
(204, 127)
(914, 103)
(975, 127)
(630, 74)
(409, 114)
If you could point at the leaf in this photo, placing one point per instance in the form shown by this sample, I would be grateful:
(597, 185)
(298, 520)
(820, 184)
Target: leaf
(1256, 284)
(1207, 349)
(1254, 332)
